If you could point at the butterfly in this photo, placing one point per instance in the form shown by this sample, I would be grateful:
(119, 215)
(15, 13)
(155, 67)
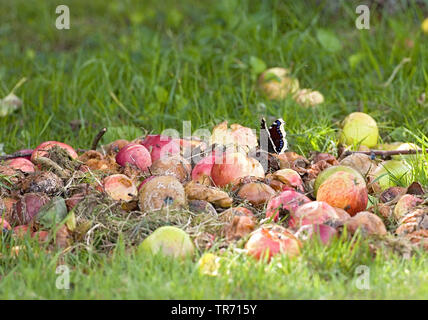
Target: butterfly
(276, 142)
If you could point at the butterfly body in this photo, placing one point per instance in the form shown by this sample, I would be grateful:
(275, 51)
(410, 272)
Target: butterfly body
(276, 136)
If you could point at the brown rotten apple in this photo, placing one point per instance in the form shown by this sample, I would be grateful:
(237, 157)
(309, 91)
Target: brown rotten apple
(119, 187)
(285, 203)
(161, 192)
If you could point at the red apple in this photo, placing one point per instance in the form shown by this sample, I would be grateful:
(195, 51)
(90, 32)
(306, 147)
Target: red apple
(119, 187)
(4, 225)
(202, 170)
(324, 232)
(315, 212)
(22, 164)
(42, 149)
(234, 166)
(290, 178)
(343, 190)
(270, 240)
(368, 222)
(286, 202)
(136, 155)
(326, 173)
(160, 146)
(405, 204)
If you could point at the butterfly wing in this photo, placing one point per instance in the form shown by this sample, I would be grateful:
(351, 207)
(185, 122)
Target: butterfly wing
(278, 136)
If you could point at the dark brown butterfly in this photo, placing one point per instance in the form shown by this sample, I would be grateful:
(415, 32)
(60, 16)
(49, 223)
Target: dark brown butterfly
(276, 142)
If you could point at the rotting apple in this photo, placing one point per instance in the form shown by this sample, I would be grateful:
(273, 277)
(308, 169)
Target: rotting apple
(236, 135)
(234, 166)
(405, 204)
(256, 193)
(315, 212)
(160, 146)
(368, 222)
(4, 225)
(120, 187)
(175, 166)
(360, 162)
(42, 150)
(270, 240)
(359, 128)
(277, 84)
(161, 192)
(136, 155)
(114, 147)
(28, 207)
(42, 181)
(308, 97)
(168, 241)
(344, 190)
(22, 164)
(285, 203)
(289, 177)
(321, 231)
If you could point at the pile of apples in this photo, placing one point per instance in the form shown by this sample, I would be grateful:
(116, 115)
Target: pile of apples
(272, 210)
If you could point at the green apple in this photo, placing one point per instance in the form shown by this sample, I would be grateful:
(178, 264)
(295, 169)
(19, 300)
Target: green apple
(169, 241)
(389, 173)
(359, 128)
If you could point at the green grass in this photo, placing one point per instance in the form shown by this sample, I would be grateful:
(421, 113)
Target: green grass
(171, 62)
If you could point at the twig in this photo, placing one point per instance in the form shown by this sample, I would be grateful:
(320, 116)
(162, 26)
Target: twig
(394, 72)
(98, 138)
(14, 155)
(382, 153)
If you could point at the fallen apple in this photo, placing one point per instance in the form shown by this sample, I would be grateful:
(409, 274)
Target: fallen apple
(390, 173)
(368, 222)
(326, 173)
(256, 193)
(236, 135)
(234, 166)
(315, 212)
(22, 164)
(344, 190)
(308, 97)
(323, 232)
(136, 155)
(289, 178)
(175, 166)
(360, 162)
(119, 187)
(270, 240)
(42, 150)
(28, 207)
(359, 128)
(161, 192)
(405, 204)
(169, 241)
(277, 84)
(202, 170)
(114, 147)
(160, 146)
(43, 181)
(284, 204)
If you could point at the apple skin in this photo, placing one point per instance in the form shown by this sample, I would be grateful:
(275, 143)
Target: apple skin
(22, 164)
(168, 241)
(42, 149)
(288, 200)
(271, 240)
(325, 174)
(256, 193)
(315, 212)
(343, 190)
(160, 146)
(236, 135)
(134, 154)
(289, 177)
(359, 128)
(233, 166)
